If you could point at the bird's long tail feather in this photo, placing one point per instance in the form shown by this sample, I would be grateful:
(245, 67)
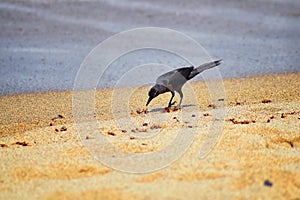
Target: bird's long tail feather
(204, 67)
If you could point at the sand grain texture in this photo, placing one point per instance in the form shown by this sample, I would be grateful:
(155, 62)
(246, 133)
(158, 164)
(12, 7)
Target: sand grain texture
(258, 155)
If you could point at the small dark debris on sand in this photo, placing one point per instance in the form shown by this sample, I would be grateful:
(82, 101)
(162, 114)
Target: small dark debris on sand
(211, 106)
(63, 128)
(177, 120)
(24, 144)
(155, 127)
(206, 114)
(57, 117)
(284, 140)
(268, 183)
(170, 109)
(284, 115)
(138, 130)
(60, 116)
(241, 122)
(54, 119)
(236, 102)
(291, 143)
(124, 131)
(269, 120)
(3, 145)
(88, 137)
(140, 111)
(132, 138)
(266, 101)
(111, 133)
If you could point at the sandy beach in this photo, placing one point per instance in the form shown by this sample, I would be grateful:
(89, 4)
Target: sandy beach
(257, 156)
(49, 151)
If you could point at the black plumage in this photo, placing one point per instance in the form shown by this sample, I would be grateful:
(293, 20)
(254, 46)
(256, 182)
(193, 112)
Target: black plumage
(174, 80)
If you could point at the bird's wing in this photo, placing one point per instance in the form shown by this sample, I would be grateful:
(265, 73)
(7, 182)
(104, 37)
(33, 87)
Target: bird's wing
(165, 78)
(185, 71)
(175, 77)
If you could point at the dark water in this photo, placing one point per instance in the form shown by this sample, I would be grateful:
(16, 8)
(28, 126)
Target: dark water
(43, 43)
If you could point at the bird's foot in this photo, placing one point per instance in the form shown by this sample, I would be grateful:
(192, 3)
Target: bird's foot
(171, 104)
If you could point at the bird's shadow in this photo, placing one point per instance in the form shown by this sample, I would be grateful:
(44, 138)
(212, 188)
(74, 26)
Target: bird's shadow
(163, 109)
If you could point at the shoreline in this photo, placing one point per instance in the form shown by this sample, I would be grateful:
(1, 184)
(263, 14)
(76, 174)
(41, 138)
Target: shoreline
(111, 88)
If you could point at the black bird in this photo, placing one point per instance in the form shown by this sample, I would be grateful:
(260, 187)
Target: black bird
(174, 80)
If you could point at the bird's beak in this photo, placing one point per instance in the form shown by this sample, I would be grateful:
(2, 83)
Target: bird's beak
(149, 100)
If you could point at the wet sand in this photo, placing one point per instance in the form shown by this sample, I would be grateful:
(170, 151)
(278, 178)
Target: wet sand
(257, 156)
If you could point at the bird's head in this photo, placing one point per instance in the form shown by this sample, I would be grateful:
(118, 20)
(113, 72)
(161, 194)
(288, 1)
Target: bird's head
(154, 92)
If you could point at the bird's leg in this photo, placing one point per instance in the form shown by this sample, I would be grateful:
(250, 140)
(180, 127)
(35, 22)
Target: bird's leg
(170, 102)
(181, 97)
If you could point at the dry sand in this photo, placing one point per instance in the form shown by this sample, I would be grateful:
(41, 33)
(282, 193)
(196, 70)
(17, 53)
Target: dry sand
(257, 157)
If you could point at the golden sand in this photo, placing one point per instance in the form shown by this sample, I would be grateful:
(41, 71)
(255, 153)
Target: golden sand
(257, 156)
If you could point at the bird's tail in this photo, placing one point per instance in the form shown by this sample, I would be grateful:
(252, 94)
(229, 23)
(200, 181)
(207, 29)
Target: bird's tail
(203, 67)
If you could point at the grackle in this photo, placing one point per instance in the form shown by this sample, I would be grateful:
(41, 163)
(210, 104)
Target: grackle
(174, 80)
